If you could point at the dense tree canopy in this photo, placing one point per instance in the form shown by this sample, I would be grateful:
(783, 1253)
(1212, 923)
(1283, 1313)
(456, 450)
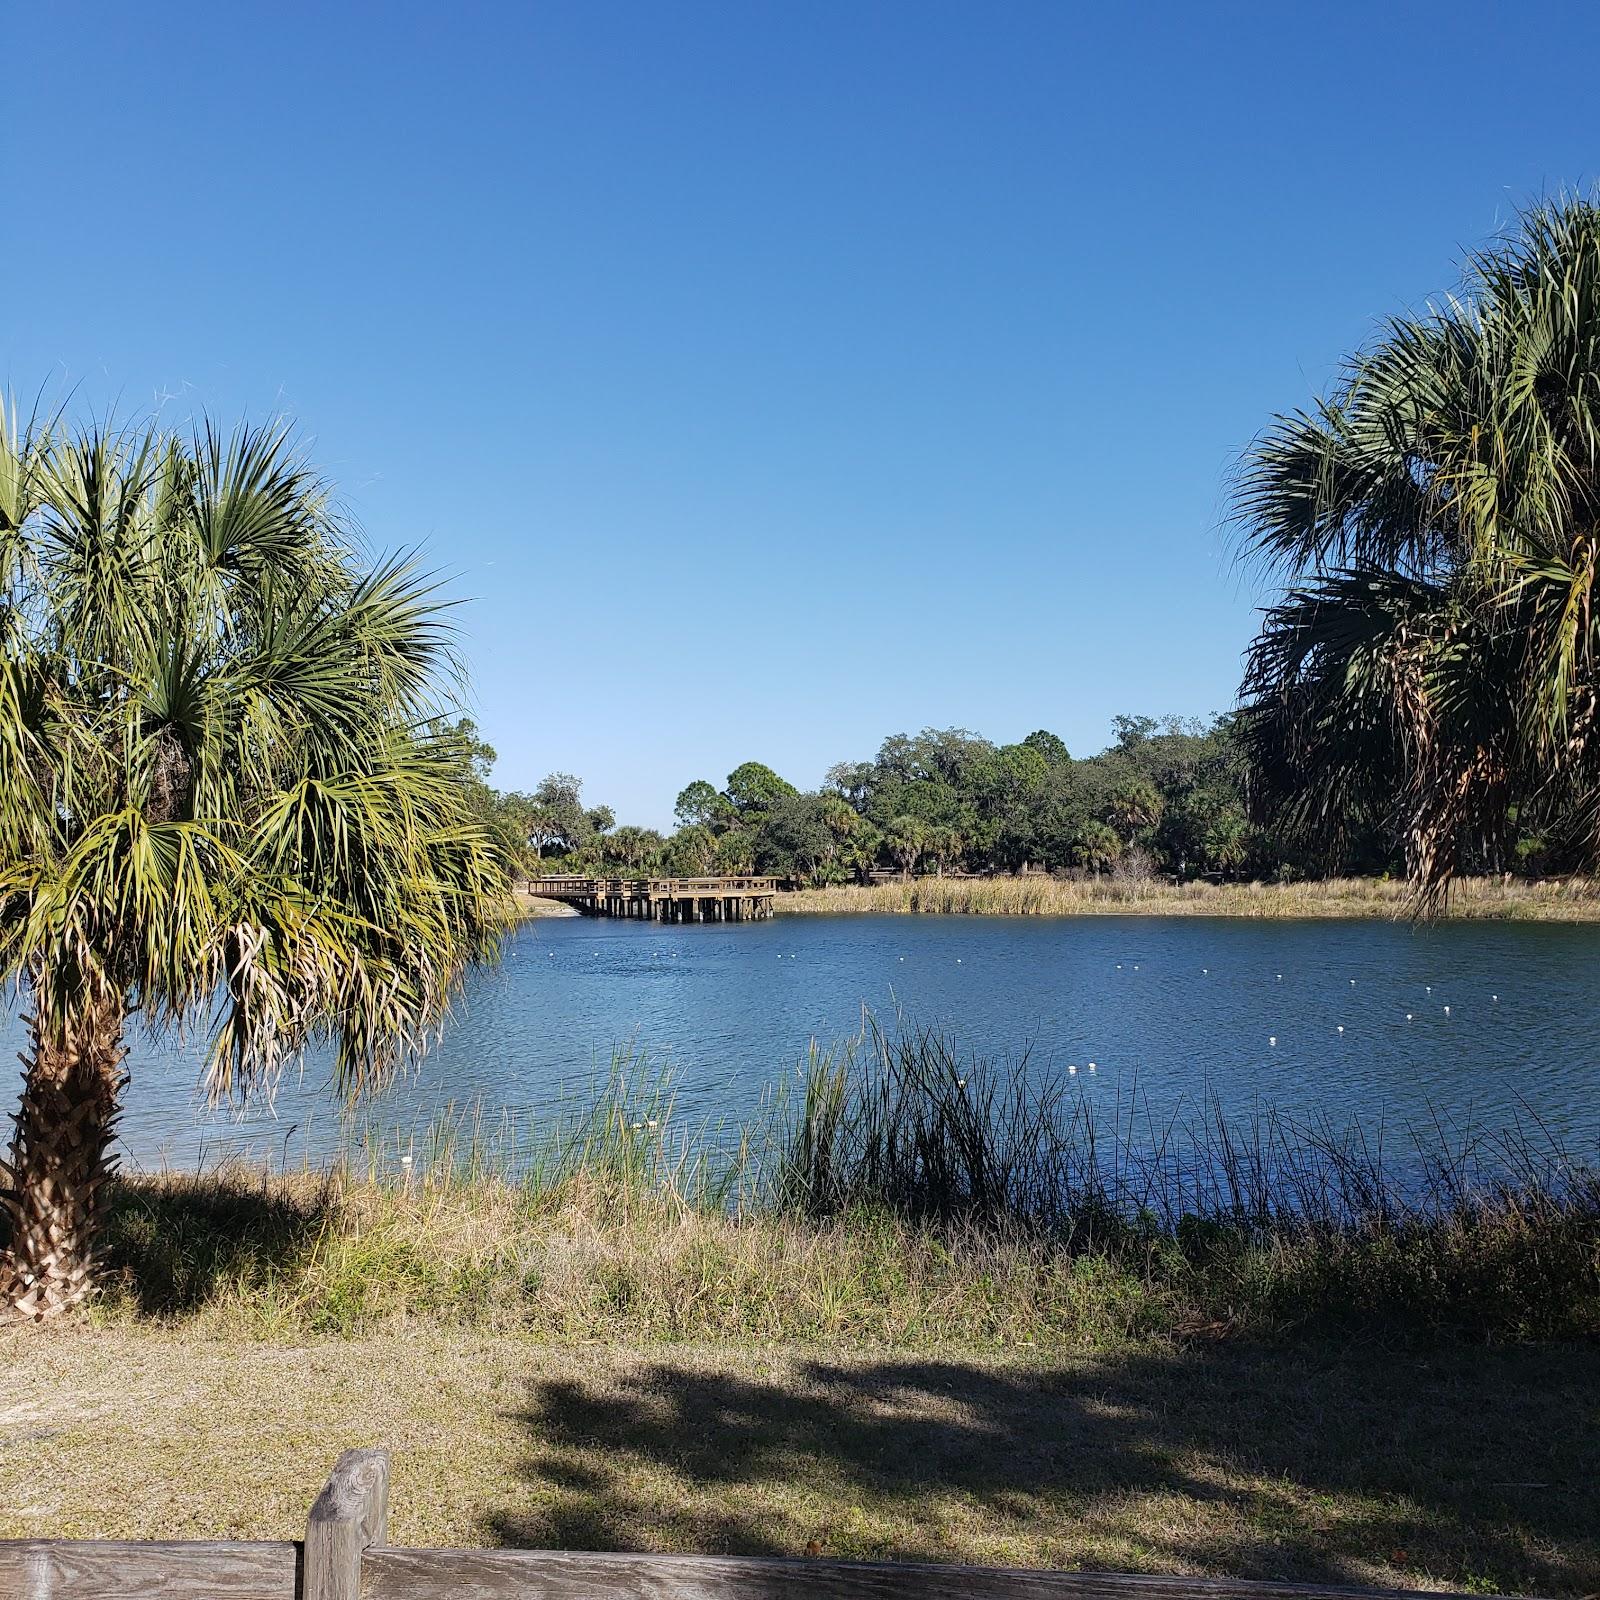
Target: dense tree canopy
(1167, 796)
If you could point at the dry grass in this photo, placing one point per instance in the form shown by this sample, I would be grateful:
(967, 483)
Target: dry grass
(1563, 900)
(244, 1256)
(1474, 1470)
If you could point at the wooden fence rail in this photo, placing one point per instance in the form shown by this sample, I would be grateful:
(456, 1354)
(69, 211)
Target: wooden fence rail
(344, 1556)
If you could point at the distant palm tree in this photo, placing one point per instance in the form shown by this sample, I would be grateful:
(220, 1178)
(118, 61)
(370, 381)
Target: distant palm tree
(943, 846)
(1227, 840)
(1135, 804)
(1434, 669)
(634, 848)
(906, 838)
(1096, 846)
(222, 796)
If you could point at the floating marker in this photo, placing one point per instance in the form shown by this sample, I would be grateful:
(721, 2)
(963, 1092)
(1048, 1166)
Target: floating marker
(1280, 977)
(1495, 998)
(1091, 1066)
(1447, 1011)
(1272, 1038)
(1408, 1016)
(1341, 1027)
(1072, 1071)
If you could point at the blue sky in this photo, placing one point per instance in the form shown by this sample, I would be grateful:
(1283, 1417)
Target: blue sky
(769, 378)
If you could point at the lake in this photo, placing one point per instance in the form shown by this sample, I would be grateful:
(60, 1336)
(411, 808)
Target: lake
(1487, 1023)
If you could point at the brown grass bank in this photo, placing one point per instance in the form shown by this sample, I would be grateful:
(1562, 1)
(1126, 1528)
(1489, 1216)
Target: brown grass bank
(1486, 899)
(1345, 1463)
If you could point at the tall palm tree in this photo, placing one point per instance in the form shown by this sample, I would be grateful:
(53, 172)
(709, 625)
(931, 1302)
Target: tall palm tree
(223, 796)
(1432, 672)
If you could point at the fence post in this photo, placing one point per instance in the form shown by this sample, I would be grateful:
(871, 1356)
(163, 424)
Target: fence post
(350, 1513)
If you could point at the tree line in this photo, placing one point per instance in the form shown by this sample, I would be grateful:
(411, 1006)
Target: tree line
(1167, 796)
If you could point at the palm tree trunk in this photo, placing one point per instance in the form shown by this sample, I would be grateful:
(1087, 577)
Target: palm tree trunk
(60, 1160)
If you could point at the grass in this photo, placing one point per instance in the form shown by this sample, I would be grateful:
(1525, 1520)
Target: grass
(1472, 1469)
(925, 1311)
(1483, 899)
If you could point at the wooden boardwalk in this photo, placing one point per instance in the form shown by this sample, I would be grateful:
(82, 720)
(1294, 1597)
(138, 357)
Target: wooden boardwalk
(663, 899)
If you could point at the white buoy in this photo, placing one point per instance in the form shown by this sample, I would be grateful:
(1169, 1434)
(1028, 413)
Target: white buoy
(1091, 1066)
(1280, 977)
(1408, 1016)
(1204, 971)
(1272, 1038)
(1072, 1071)
(1495, 998)
(1447, 1011)
(1136, 966)
(1352, 983)
(1341, 1027)
(1428, 987)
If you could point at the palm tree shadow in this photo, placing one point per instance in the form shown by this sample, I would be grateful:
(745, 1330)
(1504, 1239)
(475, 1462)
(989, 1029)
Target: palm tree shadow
(1317, 1466)
(170, 1243)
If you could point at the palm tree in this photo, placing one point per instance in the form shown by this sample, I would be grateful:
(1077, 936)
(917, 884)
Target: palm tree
(223, 797)
(634, 848)
(1135, 803)
(906, 838)
(944, 846)
(1433, 671)
(1096, 846)
(1227, 840)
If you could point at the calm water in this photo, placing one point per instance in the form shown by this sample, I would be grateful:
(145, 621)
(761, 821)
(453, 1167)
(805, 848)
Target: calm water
(1179, 1006)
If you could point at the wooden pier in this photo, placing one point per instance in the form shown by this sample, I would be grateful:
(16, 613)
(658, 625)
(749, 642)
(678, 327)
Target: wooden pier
(663, 899)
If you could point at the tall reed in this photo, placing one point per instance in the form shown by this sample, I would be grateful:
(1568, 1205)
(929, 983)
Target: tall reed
(1564, 900)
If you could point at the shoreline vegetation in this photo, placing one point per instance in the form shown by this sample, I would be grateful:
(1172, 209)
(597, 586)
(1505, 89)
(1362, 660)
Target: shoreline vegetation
(1574, 899)
(893, 1191)
(1250, 1349)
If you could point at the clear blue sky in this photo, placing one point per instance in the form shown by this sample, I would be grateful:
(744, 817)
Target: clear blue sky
(770, 378)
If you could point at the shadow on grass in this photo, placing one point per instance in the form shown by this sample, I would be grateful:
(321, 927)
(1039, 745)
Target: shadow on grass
(172, 1244)
(1471, 1468)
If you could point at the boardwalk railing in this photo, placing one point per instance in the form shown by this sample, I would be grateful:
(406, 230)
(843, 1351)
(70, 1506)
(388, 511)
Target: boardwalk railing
(344, 1556)
(735, 899)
